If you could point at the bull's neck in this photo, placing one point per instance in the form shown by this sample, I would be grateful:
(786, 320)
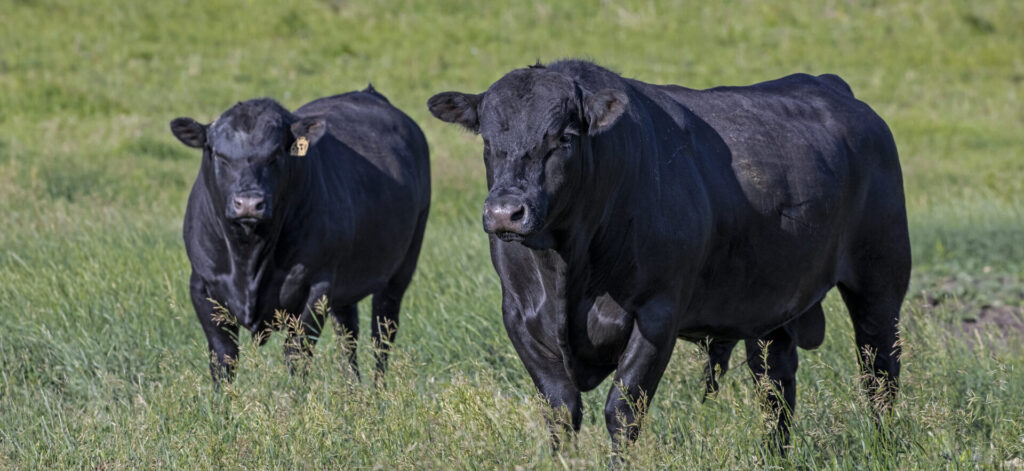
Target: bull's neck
(251, 257)
(601, 224)
(249, 250)
(610, 181)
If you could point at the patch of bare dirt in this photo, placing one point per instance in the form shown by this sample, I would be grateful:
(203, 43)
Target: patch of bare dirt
(984, 307)
(1005, 321)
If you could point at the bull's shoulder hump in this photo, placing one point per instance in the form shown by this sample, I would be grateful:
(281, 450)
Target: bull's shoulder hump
(797, 98)
(374, 131)
(795, 85)
(355, 115)
(837, 83)
(366, 99)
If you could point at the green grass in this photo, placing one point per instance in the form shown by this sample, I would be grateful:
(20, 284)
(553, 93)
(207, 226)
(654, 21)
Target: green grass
(103, 365)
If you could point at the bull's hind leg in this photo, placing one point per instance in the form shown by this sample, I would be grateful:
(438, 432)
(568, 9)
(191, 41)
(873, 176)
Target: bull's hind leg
(874, 303)
(346, 326)
(773, 360)
(388, 302)
(384, 325)
(875, 321)
(873, 286)
(719, 352)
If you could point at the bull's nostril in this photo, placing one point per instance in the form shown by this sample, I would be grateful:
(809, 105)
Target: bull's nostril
(519, 214)
(238, 203)
(259, 206)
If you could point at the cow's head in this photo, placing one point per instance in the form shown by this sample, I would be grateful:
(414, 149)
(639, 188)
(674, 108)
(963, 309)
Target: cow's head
(537, 127)
(249, 157)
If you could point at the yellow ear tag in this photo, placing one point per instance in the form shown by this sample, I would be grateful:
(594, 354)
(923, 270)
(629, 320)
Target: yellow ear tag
(300, 146)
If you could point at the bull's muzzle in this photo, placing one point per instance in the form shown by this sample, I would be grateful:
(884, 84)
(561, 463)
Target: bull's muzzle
(248, 206)
(507, 216)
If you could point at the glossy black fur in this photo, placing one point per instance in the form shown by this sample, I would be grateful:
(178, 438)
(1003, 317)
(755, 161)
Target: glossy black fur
(625, 215)
(270, 232)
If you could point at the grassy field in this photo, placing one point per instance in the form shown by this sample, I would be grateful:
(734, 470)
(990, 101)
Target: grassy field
(103, 364)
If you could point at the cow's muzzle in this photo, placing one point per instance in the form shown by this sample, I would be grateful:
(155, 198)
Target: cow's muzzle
(509, 217)
(249, 206)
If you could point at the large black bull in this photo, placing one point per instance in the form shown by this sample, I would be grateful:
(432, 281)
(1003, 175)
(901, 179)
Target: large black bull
(624, 215)
(289, 209)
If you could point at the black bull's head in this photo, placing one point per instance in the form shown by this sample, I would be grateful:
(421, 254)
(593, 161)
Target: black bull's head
(537, 126)
(248, 156)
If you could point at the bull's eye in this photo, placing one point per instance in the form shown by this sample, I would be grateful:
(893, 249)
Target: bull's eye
(566, 139)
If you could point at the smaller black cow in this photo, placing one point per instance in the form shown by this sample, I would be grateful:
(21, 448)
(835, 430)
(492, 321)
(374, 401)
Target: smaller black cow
(625, 215)
(289, 210)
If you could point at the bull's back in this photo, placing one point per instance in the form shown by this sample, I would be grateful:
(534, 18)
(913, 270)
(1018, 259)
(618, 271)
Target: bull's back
(801, 148)
(804, 154)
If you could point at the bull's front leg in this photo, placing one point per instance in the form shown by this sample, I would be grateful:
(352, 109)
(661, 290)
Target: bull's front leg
(548, 372)
(639, 371)
(304, 330)
(221, 333)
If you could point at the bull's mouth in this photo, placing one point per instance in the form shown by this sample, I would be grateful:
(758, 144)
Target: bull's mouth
(542, 240)
(509, 236)
(249, 225)
(248, 221)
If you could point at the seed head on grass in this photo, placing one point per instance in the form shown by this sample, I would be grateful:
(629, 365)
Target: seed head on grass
(322, 307)
(221, 315)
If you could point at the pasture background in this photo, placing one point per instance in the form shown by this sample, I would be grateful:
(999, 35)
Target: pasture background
(103, 365)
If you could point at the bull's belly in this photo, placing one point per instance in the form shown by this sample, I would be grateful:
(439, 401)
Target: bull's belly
(600, 329)
(750, 286)
(738, 314)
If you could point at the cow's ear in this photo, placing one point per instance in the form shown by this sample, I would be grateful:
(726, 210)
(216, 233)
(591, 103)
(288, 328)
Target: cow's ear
(458, 108)
(603, 109)
(189, 132)
(307, 131)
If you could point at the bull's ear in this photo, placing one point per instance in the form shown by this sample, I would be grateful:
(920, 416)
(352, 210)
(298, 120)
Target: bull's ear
(458, 108)
(307, 131)
(189, 132)
(603, 109)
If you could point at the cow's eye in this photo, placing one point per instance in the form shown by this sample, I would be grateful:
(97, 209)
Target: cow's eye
(567, 138)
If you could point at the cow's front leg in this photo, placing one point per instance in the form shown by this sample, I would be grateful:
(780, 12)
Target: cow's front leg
(304, 330)
(640, 369)
(548, 372)
(561, 394)
(221, 333)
